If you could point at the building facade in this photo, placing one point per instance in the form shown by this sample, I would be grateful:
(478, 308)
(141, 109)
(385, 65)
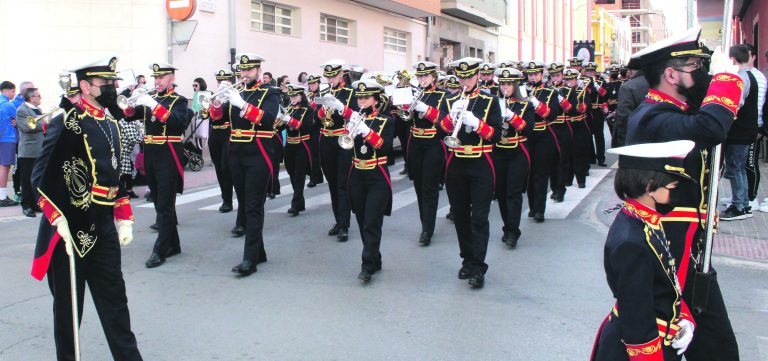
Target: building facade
(647, 23)
(750, 18)
(613, 38)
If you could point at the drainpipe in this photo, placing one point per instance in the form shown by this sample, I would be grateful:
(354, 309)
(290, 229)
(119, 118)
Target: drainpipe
(170, 40)
(232, 29)
(428, 45)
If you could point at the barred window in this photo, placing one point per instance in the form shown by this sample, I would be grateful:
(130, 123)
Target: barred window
(395, 40)
(334, 29)
(271, 17)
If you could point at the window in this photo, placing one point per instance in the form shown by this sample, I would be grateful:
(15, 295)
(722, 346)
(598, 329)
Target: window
(630, 4)
(635, 37)
(333, 29)
(271, 17)
(395, 40)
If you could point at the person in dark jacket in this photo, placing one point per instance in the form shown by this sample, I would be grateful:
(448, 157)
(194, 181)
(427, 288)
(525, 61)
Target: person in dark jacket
(631, 94)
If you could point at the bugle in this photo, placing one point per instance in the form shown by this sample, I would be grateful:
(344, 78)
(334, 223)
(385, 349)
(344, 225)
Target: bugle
(346, 141)
(220, 97)
(46, 117)
(453, 139)
(125, 102)
(407, 113)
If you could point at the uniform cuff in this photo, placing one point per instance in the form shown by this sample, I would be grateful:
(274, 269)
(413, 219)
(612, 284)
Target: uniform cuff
(129, 112)
(216, 112)
(566, 105)
(161, 113)
(542, 110)
(602, 92)
(374, 139)
(122, 210)
(725, 89)
(582, 108)
(517, 122)
(431, 114)
(252, 114)
(50, 211)
(447, 124)
(294, 123)
(347, 113)
(484, 130)
(649, 351)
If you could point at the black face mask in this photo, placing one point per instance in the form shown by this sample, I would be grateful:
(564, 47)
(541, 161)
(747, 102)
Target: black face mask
(108, 96)
(695, 94)
(670, 206)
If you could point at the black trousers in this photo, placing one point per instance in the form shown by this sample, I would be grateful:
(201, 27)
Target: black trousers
(512, 168)
(163, 178)
(25, 178)
(316, 173)
(597, 126)
(561, 165)
(251, 177)
(541, 144)
(370, 194)
(425, 162)
(336, 163)
(101, 270)
(752, 168)
(297, 160)
(218, 145)
(277, 158)
(469, 182)
(582, 150)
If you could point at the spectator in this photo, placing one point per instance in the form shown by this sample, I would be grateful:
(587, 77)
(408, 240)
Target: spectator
(19, 99)
(283, 82)
(7, 139)
(141, 81)
(631, 94)
(753, 153)
(30, 145)
(742, 133)
(267, 78)
(302, 79)
(199, 85)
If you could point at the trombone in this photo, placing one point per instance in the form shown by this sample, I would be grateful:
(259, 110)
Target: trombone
(46, 118)
(220, 97)
(124, 102)
(407, 113)
(453, 139)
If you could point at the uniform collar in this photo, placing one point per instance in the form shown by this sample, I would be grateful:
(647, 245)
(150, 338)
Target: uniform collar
(430, 88)
(167, 92)
(474, 92)
(339, 86)
(657, 96)
(92, 109)
(637, 210)
(255, 85)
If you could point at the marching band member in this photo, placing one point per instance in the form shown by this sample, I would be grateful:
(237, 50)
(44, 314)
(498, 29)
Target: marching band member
(612, 87)
(486, 79)
(370, 188)
(84, 144)
(313, 90)
(674, 68)
(650, 320)
(252, 110)
(599, 97)
(402, 128)
(576, 119)
(426, 158)
(511, 157)
(165, 118)
(298, 155)
(566, 98)
(542, 142)
(218, 145)
(470, 173)
(335, 160)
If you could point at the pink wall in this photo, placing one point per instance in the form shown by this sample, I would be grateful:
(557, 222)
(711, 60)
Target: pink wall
(759, 11)
(209, 48)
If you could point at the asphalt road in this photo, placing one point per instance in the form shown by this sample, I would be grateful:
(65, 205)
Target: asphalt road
(541, 301)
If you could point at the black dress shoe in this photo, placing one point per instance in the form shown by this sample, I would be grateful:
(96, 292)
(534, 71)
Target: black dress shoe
(569, 184)
(510, 238)
(582, 185)
(538, 217)
(440, 186)
(7, 202)
(463, 273)
(311, 184)
(293, 212)
(245, 268)
(553, 195)
(271, 195)
(37, 209)
(29, 212)
(477, 280)
(225, 207)
(173, 252)
(334, 230)
(343, 234)
(559, 198)
(404, 171)
(425, 239)
(262, 258)
(132, 195)
(154, 261)
(449, 216)
(238, 231)
(602, 164)
(365, 275)
(154, 227)
(530, 214)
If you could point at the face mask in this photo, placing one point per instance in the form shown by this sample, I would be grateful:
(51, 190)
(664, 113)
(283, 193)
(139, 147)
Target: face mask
(108, 96)
(695, 94)
(666, 208)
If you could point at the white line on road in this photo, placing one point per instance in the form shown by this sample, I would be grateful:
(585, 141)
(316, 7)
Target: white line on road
(574, 196)
(309, 203)
(191, 197)
(403, 198)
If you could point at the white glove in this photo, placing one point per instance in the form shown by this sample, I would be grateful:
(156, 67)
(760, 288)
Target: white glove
(62, 227)
(336, 105)
(594, 85)
(363, 129)
(684, 336)
(125, 232)
(457, 106)
(223, 85)
(721, 63)
(523, 91)
(354, 119)
(580, 83)
(421, 107)
(146, 101)
(235, 99)
(559, 98)
(506, 113)
(535, 102)
(470, 120)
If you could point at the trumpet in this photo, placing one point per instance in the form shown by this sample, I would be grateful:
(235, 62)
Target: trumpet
(46, 117)
(346, 141)
(453, 139)
(124, 102)
(407, 113)
(284, 112)
(220, 97)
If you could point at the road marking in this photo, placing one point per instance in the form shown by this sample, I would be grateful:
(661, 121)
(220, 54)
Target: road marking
(403, 198)
(191, 197)
(574, 196)
(309, 203)
(284, 191)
